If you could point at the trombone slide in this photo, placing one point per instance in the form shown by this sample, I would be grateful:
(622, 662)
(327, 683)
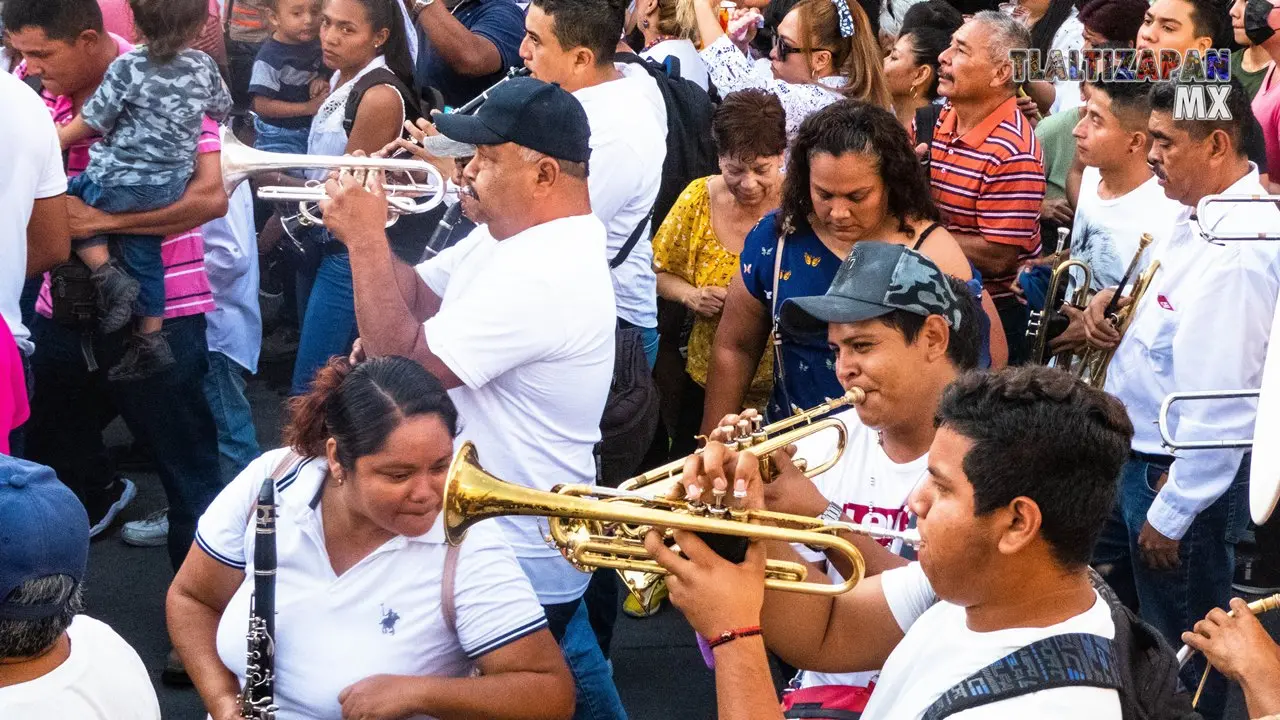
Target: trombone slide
(1217, 238)
(1166, 435)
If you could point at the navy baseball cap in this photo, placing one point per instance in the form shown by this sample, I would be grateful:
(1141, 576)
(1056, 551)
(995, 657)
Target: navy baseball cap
(44, 530)
(528, 112)
(876, 279)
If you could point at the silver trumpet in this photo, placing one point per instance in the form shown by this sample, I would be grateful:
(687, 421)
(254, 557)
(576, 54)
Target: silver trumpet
(421, 187)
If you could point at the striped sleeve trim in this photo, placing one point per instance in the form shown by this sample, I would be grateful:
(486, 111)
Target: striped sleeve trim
(217, 555)
(524, 630)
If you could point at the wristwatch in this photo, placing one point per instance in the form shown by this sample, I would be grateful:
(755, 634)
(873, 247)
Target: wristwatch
(832, 514)
(419, 6)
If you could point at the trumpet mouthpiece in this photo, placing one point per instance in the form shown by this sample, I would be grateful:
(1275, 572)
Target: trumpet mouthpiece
(854, 396)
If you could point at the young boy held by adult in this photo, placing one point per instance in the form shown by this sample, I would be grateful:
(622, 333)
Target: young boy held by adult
(149, 109)
(286, 86)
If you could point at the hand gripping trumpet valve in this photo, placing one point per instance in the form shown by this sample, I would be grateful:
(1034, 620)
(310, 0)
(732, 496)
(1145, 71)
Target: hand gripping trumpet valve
(422, 189)
(596, 527)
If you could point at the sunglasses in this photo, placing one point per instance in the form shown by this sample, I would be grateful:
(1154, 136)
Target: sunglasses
(783, 49)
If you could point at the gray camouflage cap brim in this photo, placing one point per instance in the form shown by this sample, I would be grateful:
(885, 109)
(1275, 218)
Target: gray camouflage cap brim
(876, 279)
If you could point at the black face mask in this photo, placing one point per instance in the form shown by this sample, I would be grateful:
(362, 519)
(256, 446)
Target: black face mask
(1256, 25)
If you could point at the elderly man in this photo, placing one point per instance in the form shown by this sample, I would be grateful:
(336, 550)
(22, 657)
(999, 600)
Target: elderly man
(1177, 520)
(517, 320)
(985, 164)
(55, 662)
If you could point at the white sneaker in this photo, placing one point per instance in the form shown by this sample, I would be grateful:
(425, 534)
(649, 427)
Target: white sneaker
(152, 531)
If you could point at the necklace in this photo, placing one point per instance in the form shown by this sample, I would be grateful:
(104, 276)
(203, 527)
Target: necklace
(659, 39)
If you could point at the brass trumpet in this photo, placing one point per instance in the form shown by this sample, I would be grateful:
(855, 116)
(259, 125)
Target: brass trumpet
(595, 527)
(1042, 323)
(1091, 365)
(764, 440)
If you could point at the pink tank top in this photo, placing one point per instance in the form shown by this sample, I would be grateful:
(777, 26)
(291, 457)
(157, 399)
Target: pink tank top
(13, 388)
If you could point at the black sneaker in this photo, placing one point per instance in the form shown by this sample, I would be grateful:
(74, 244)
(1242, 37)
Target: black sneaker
(118, 495)
(174, 674)
(1254, 577)
(145, 354)
(116, 293)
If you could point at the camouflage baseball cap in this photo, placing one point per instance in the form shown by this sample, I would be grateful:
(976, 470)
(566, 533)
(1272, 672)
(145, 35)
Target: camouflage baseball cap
(876, 279)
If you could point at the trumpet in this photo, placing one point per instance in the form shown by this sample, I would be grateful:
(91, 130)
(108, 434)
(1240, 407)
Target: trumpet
(412, 197)
(595, 527)
(763, 440)
(1202, 213)
(1091, 365)
(1043, 325)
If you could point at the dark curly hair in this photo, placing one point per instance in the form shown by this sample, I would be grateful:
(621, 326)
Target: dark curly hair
(1042, 434)
(853, 126)
(360, 406)
(169, 26)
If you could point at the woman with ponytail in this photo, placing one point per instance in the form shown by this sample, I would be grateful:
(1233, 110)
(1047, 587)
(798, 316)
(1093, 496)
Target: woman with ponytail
(376, 616)
(823, 51)
(670, 29)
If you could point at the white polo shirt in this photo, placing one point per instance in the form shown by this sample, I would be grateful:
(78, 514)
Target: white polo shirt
(381, 616)
(527, 324)
(1203, 324)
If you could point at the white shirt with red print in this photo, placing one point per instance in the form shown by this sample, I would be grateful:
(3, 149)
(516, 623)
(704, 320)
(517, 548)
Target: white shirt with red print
(872, 489)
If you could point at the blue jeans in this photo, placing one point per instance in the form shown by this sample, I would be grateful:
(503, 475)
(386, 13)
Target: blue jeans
(237, 439)
(273, 138)
(139, 254)
(1173, 601)
(329, 319)
(168, 412)
(593, 680)
(650, 336)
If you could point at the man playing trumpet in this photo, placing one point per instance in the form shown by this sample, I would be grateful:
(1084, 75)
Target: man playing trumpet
(902, 330)
(1202, 324)
(1020, 479)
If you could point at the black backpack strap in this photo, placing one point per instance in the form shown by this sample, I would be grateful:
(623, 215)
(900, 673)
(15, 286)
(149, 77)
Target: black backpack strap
(627, 247)
(1069, 660)
(381, 76)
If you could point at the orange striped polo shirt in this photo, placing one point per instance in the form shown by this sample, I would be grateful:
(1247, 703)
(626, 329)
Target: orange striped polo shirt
(990, 181)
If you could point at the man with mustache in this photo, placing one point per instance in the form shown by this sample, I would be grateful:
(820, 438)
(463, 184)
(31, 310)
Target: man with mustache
(517, 320)
(1202, 324)
(985, 165)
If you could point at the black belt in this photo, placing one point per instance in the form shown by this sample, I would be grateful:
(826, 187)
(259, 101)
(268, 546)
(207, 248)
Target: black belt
(624, 325)
(1153, 458)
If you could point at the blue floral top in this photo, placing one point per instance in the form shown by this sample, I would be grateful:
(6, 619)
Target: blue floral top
(806, 375)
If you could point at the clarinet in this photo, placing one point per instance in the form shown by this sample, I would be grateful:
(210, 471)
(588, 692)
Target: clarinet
(257, 699)
(474, 104)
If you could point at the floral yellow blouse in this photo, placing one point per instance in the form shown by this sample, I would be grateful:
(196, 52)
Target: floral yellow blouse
(686, 246)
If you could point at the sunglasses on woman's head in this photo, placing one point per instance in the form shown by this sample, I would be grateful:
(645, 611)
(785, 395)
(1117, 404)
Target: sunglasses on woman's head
(784, 48)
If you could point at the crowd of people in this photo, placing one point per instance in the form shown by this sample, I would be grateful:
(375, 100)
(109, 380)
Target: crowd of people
(650, 229)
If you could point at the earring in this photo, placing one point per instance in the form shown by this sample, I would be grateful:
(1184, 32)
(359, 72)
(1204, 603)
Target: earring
(338, 477)
(644, 24)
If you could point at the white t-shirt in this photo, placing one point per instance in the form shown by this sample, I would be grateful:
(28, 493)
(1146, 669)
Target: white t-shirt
(692, 66)
(383, 615)
(1105, 233)
(30, 170)
(628, 146)
(528, 325)
(940, 650)
(102, 679)
(873, 490)
(231, 259)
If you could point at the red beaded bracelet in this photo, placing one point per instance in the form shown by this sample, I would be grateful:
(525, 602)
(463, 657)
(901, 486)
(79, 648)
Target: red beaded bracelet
(728, 635)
